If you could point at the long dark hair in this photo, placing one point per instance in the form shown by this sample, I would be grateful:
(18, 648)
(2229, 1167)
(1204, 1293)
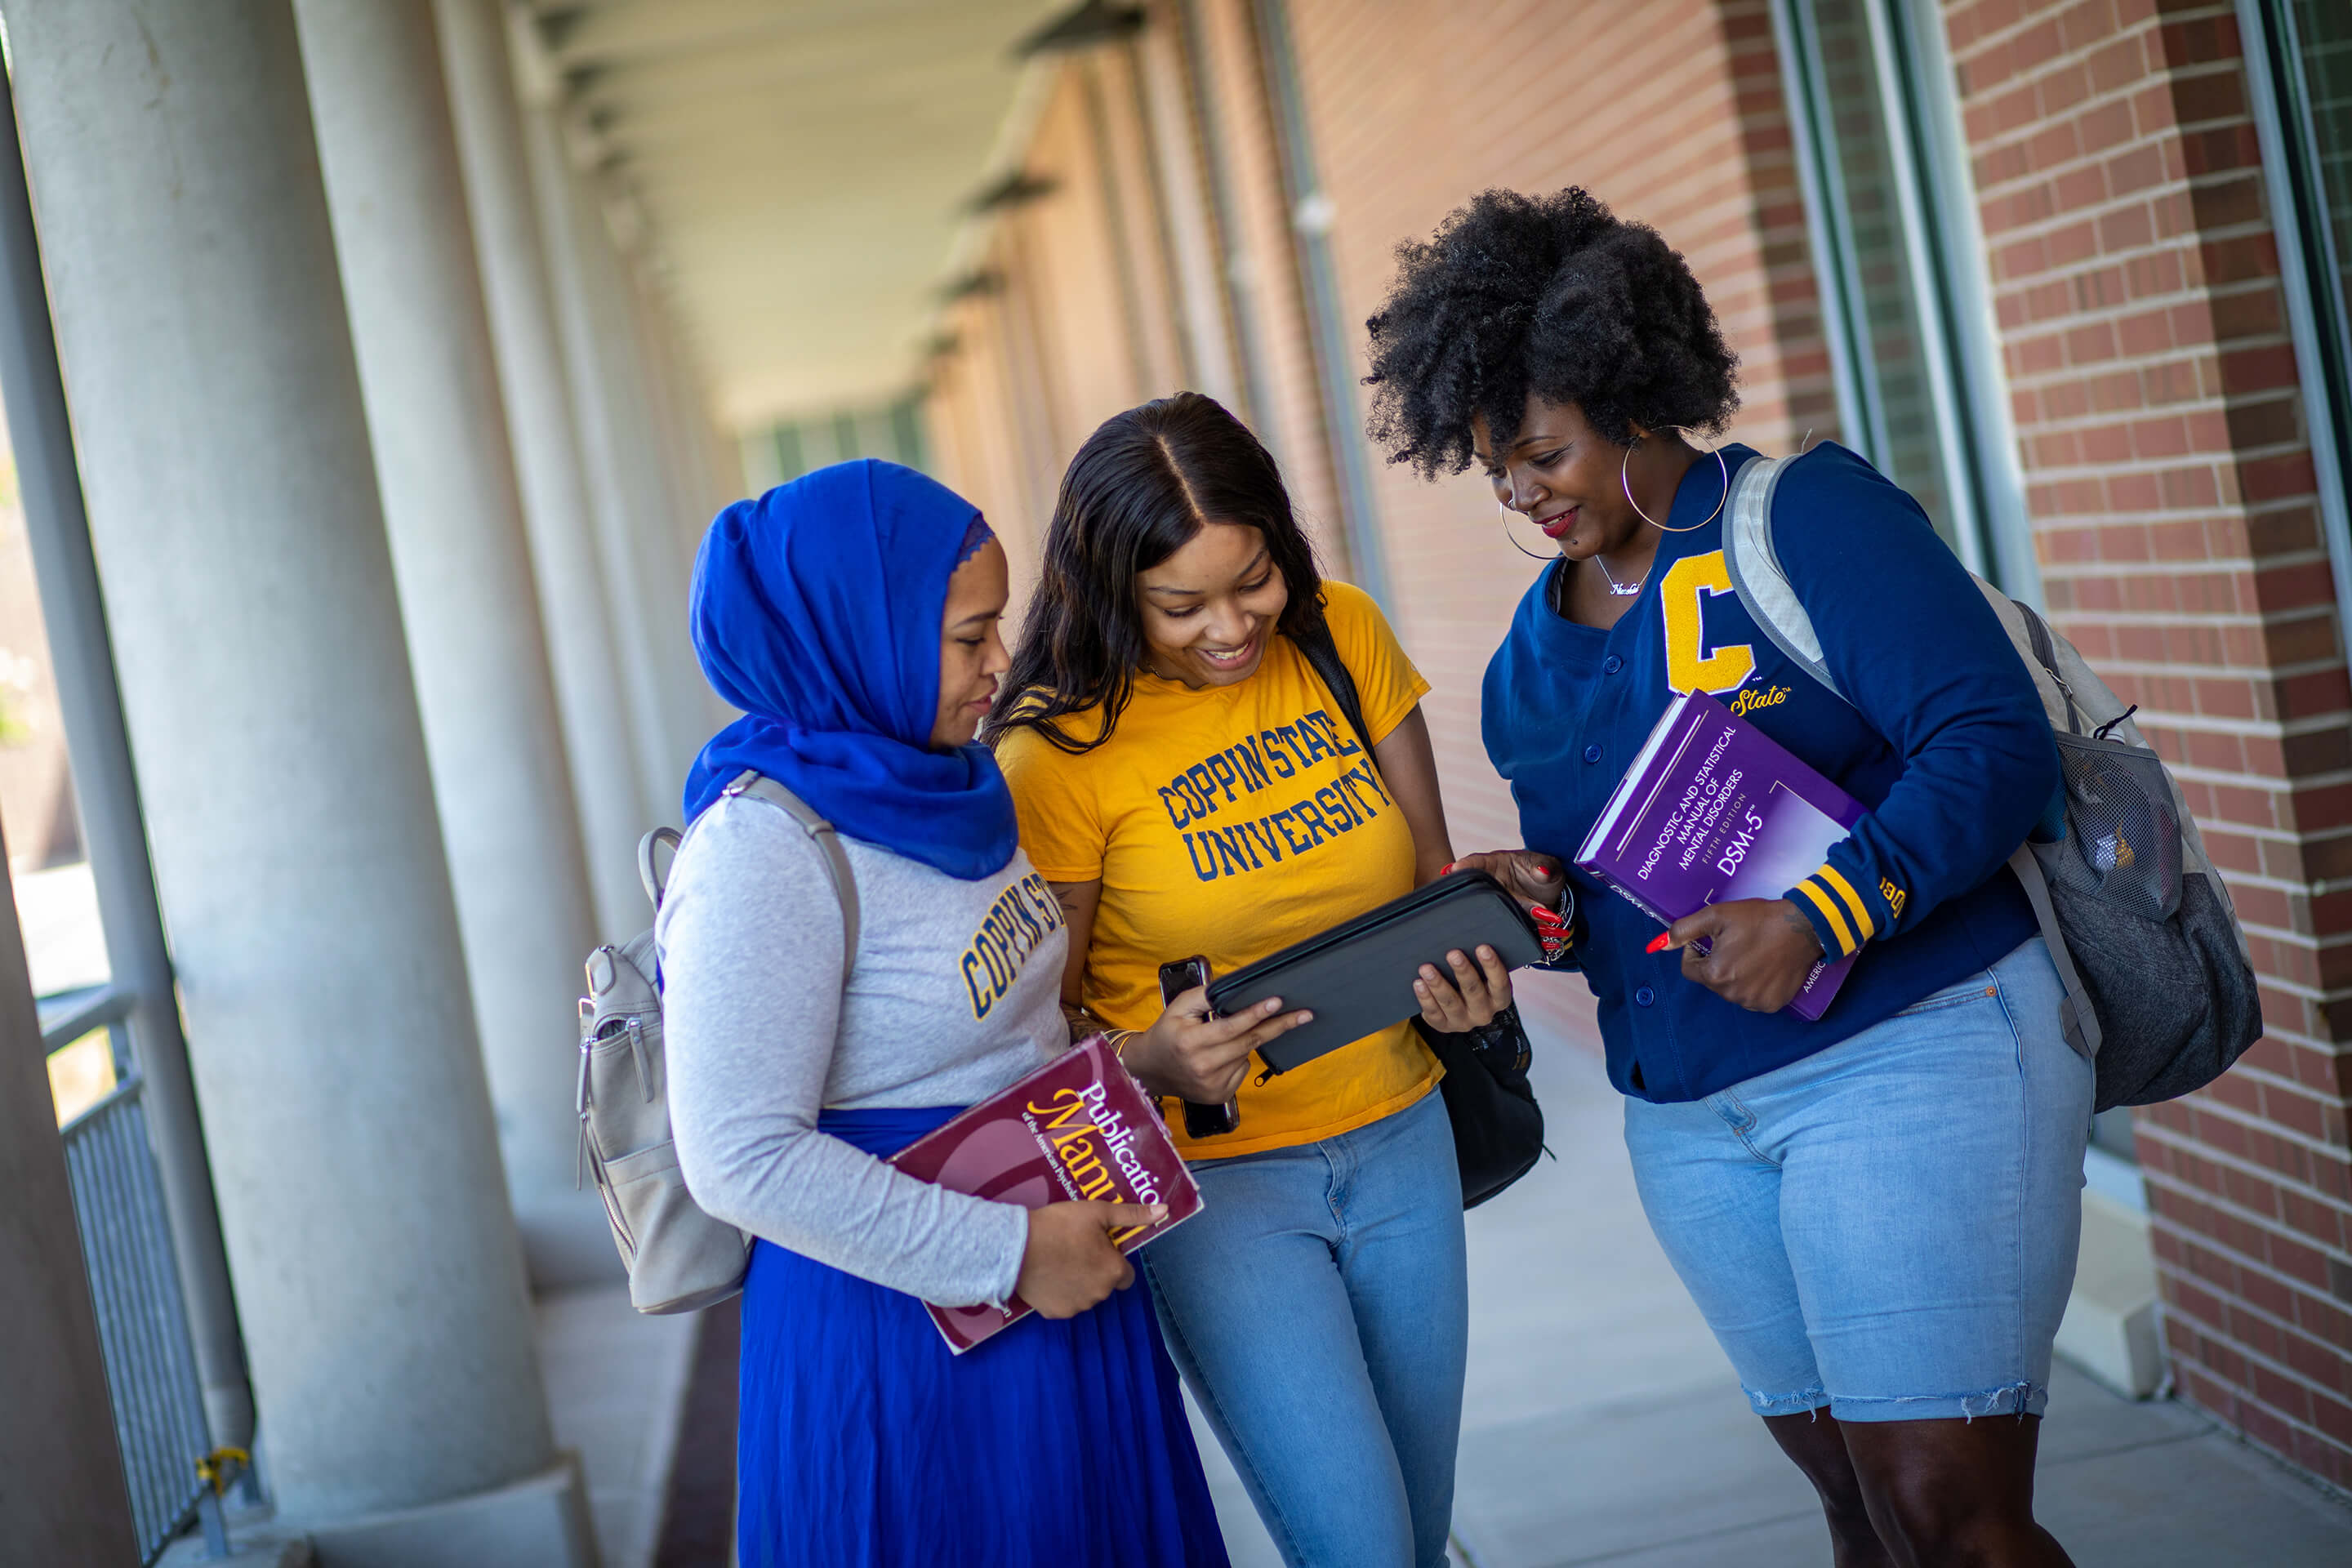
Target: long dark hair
(1144, 484)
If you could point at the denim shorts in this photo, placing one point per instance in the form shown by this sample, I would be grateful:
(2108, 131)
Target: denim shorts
(1887, 1228)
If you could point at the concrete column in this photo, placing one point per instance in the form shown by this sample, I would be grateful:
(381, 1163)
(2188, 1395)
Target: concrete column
(455, 519)
(632, 525)
(600, 736)
(680, 422)
(67, 1501)
(667, 520)
(106, 788)
(232, 499)
(671, 391)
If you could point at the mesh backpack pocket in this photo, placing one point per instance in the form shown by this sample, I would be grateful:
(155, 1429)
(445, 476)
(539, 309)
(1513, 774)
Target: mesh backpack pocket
(2123, 831)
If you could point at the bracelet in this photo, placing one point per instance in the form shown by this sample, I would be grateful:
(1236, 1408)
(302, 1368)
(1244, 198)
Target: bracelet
(1504, 1033)
(1503, 1026)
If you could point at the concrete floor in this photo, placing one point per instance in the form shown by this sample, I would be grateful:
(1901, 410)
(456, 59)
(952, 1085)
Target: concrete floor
(1602, 1425)
(616, 1389)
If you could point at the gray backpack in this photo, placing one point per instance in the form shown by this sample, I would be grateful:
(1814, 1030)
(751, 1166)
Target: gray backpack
(679, 1258)
(2159, 985)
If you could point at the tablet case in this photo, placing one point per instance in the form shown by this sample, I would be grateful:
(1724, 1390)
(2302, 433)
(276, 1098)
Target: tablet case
(1357, 978)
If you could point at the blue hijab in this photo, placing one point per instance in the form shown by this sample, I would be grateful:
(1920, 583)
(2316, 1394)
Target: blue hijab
(815, 610)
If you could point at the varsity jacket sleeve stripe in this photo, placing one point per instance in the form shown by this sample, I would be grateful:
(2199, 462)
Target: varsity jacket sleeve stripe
(1838, 938)
(1864, 924)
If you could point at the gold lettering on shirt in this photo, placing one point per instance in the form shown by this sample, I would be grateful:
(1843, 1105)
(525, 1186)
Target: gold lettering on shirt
(1251, 837)
(1023, 917)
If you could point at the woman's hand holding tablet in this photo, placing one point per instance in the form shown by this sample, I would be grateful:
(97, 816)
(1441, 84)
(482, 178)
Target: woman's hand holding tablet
(1468, 998)
(1195, 1056)
(1370, 972)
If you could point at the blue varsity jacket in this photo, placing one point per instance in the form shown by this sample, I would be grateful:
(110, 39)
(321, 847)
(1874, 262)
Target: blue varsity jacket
(1944, 741)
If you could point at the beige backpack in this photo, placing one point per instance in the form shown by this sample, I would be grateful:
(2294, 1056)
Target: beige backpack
(679, 1258)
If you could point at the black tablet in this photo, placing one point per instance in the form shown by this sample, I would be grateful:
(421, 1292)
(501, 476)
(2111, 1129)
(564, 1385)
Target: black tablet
(1357, 978)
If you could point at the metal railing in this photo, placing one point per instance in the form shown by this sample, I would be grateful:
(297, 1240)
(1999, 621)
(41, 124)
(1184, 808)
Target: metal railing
(175, 1477)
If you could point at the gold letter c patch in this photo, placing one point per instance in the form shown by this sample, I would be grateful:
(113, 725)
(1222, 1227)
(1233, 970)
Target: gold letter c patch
(1690, 666)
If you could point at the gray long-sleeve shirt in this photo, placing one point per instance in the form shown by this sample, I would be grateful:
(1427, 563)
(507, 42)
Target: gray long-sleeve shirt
(955, 994)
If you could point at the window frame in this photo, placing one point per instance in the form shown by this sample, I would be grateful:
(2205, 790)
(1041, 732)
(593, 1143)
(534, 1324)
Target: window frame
(2316, 312)
(1934, 194)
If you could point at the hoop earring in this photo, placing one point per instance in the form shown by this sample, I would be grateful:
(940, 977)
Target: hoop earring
(1505, 513)
(1627, 486)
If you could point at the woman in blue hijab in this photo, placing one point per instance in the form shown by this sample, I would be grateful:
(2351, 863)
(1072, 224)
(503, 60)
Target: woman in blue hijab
(852, 616)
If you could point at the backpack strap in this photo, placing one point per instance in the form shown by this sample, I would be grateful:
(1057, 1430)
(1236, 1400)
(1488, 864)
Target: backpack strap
(1757, 575)
(2046, 653)
(1323, 655)
(2077, 1019)
(649, 869)
(759, 786)
(1771, 599)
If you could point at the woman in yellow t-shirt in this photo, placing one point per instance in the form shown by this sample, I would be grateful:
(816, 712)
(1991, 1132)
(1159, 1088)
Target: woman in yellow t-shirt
(1189, 786)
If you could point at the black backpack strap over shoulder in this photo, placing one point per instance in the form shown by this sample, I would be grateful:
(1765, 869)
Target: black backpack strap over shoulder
(1323, 656)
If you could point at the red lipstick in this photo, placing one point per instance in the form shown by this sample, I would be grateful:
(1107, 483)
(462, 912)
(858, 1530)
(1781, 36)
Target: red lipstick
(1557, 525)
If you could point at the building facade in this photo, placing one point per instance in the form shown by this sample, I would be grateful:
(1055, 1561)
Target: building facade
(2072, 271)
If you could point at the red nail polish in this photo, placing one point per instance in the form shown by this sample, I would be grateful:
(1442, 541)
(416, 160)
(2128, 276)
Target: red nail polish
(1660, 942)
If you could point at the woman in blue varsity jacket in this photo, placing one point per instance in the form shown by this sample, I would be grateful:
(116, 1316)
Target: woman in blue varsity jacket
(1877, 1211)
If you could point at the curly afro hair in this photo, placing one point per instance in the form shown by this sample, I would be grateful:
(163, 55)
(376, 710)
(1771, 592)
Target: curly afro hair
(1554, 295)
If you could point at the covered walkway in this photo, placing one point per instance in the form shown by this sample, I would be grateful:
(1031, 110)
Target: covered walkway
(371, 368)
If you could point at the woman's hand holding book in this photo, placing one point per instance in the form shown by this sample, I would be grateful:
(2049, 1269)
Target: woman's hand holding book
(1071, 1262)
(1755, 953)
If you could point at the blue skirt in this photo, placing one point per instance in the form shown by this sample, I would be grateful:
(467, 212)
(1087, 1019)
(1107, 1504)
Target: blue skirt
(863, 1443)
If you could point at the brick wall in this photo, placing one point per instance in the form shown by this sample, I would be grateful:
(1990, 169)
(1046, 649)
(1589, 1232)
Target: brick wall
(2135, 285)
(1262, 266)
(2154, 390)
(1671, 112)
(1067, 328)
(1697, 144)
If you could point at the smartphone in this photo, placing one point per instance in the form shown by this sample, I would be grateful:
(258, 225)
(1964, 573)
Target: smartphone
(1200, 1121)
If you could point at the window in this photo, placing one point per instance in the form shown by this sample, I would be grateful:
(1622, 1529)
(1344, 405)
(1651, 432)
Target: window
(1904, 306)
(1329, 333)
(792, 448)
(2299, 71)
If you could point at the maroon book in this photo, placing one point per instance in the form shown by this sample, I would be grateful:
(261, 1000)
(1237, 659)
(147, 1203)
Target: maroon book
(1077, 1128)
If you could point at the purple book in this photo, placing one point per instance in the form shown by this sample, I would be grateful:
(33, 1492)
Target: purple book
(1714, 809)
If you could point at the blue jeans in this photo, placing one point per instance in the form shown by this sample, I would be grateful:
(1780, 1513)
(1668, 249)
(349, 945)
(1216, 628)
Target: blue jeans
(1318, 1307)
(1887, 1228)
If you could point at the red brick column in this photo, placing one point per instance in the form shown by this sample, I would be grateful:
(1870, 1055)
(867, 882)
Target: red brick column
(2136, 282)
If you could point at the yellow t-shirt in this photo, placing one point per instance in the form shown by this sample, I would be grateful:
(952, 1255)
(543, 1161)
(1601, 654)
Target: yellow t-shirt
(1232, 822)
